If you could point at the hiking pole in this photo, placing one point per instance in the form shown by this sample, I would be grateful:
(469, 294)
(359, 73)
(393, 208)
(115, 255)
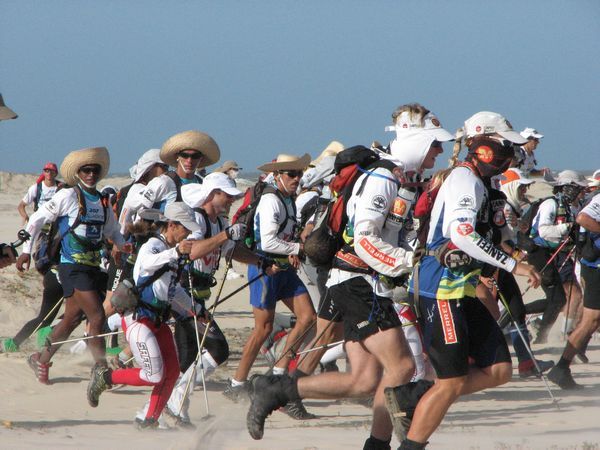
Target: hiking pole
(241, 288)
(199, 355)
(332, 344)
(554, 255)
(83, 338)
(573, 281)
(57, 305)
(525, 343)
(298, 340)
(331, 322)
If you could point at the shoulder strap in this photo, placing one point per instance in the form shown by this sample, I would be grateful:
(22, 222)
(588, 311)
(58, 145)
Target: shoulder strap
(272, 190)
(385, 163)
(177, 180)
(204, 214)
(38, 196)
(155, 276)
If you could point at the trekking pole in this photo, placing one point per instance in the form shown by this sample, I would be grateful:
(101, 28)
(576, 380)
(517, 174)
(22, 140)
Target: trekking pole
(241, 288)
(573, 281)
(525, 343)
(314, 349)
(298, 340)
(56, 306)
(83, 338)
(331, 322)
(554, 255)
(201, 343)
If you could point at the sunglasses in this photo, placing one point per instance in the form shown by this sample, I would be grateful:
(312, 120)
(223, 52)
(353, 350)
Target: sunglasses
(293, 173)
(90, 169)
(194, 155)
(49, 170)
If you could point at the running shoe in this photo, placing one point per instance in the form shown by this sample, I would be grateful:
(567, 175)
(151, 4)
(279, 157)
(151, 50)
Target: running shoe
(8, 346)
(562, 377)
(296, 410)
(145, 424)
(236, 393)
(401, 402)
(97, 384)
(531, 370)
(39, 369)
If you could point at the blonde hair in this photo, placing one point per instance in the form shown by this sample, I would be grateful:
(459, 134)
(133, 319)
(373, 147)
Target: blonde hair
(413, 109)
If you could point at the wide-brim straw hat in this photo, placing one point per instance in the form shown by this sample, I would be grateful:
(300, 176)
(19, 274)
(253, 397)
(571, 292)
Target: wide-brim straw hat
(190, 140)
(332, 149)
(5, 112)
(84, 157)
(286, 162)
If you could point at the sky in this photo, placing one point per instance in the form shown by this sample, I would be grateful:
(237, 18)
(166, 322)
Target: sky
(277, 76)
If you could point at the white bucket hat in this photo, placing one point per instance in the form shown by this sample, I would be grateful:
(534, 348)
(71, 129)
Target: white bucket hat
(145, 163)
(567, 177)
(486, 122)
(194, 195)
(594, 180)
(84, 157)
(286, 162)
(407, 122)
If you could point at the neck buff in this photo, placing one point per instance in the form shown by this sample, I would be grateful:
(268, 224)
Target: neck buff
(85, 184)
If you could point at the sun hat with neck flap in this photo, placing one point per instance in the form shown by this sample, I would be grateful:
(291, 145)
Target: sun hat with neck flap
(84, 157)
(190, 140)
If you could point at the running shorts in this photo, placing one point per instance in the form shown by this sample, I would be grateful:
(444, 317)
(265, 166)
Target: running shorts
(591, 293)
(456, 330)
(267, 290)
(82, 278)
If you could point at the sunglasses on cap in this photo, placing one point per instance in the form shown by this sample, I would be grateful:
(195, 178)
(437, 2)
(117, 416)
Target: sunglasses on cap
(293, 173)
(91, 169)
(192, 155)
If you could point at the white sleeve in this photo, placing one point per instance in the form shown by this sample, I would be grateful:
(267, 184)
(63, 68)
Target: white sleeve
(128, 211)
(270, 211)
(545, 218)
(60, 205)
(592, 209)
(155, 191)
(30, 195)
(112, 229)
(463, 196)
(371, 208)
(152, 257)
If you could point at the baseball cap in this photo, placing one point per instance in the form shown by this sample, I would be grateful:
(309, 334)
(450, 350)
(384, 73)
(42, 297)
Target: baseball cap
(194, 195)
(487, 122)
(429, 123)
(50, 166)
(179, 212)
(514, 174)
(531, 133)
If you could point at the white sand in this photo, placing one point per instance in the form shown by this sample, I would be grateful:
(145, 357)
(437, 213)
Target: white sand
(517, 415)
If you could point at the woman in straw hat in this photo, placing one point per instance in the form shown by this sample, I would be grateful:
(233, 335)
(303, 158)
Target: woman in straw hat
(84, 220)
(275, 237)
(186, 152)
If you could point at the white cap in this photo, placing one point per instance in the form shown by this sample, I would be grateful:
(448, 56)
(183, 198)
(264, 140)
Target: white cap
(531, 133)
(411, 148)
(567, 177)
(486, 122)
(146, 161)
(514, 174)
(594, 180)
(430, 124)
(179, 212)
(194, 195)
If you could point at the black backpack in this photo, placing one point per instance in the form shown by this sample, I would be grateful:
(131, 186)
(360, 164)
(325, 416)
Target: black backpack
(119, 199)
(326, 239)
(38, 194)
(524, 241)
(46, 252)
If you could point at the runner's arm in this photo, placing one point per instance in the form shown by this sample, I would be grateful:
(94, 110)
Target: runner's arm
(269, 211)
(546, 227)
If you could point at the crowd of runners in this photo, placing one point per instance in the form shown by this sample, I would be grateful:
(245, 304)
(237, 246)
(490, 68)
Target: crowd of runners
(414, 285)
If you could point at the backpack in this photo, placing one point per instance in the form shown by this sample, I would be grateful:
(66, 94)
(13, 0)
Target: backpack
(177, 180)
(119, 199)
(38, 194)
(246, 212)
(46, 252)
(326, 239)
(524, 240)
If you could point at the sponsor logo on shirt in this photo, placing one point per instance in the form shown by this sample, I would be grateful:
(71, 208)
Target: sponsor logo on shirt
(377, 254)
(379, 202)
(447, 319)
(488, 247)
(466, 201)
(464, 229)
(149, 194)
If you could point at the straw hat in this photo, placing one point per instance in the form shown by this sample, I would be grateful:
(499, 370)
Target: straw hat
(84, 157)
(286, 162)
(332, 149)
(190, 140)
(228, 165)
(5, 112)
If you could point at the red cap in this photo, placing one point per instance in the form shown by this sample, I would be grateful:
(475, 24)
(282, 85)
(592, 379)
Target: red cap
(51, 166)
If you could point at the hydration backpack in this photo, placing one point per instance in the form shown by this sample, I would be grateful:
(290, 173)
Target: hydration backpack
(524, 239)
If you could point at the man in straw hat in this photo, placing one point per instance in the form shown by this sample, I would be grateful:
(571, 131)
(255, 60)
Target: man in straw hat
(84, 220)
(5, 112)
(275, 237)
(230, 168)
(150, 338)
(186, 152)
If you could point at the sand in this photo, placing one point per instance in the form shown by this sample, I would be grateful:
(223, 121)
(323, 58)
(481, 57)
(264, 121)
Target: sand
(518, 415)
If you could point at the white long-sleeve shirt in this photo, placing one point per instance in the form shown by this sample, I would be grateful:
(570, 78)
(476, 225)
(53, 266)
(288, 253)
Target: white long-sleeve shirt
(270, 215)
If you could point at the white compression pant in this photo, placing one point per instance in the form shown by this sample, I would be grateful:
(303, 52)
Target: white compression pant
(145, 349)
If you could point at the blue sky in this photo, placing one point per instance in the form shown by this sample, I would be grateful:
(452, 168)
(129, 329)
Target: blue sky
(266, 77)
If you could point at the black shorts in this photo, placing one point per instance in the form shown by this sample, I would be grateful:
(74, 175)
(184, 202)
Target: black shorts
(566, 267)
(363, 312)
(82, 278)
(327, 309)
(591, 293)
(454, 330)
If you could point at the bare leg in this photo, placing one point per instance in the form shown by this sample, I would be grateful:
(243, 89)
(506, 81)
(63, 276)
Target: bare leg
(333, 332)
(305, 314)
(263, 325)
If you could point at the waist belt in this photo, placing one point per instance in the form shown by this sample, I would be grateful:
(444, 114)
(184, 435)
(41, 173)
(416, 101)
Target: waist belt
(159, 313)
(351, 263)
